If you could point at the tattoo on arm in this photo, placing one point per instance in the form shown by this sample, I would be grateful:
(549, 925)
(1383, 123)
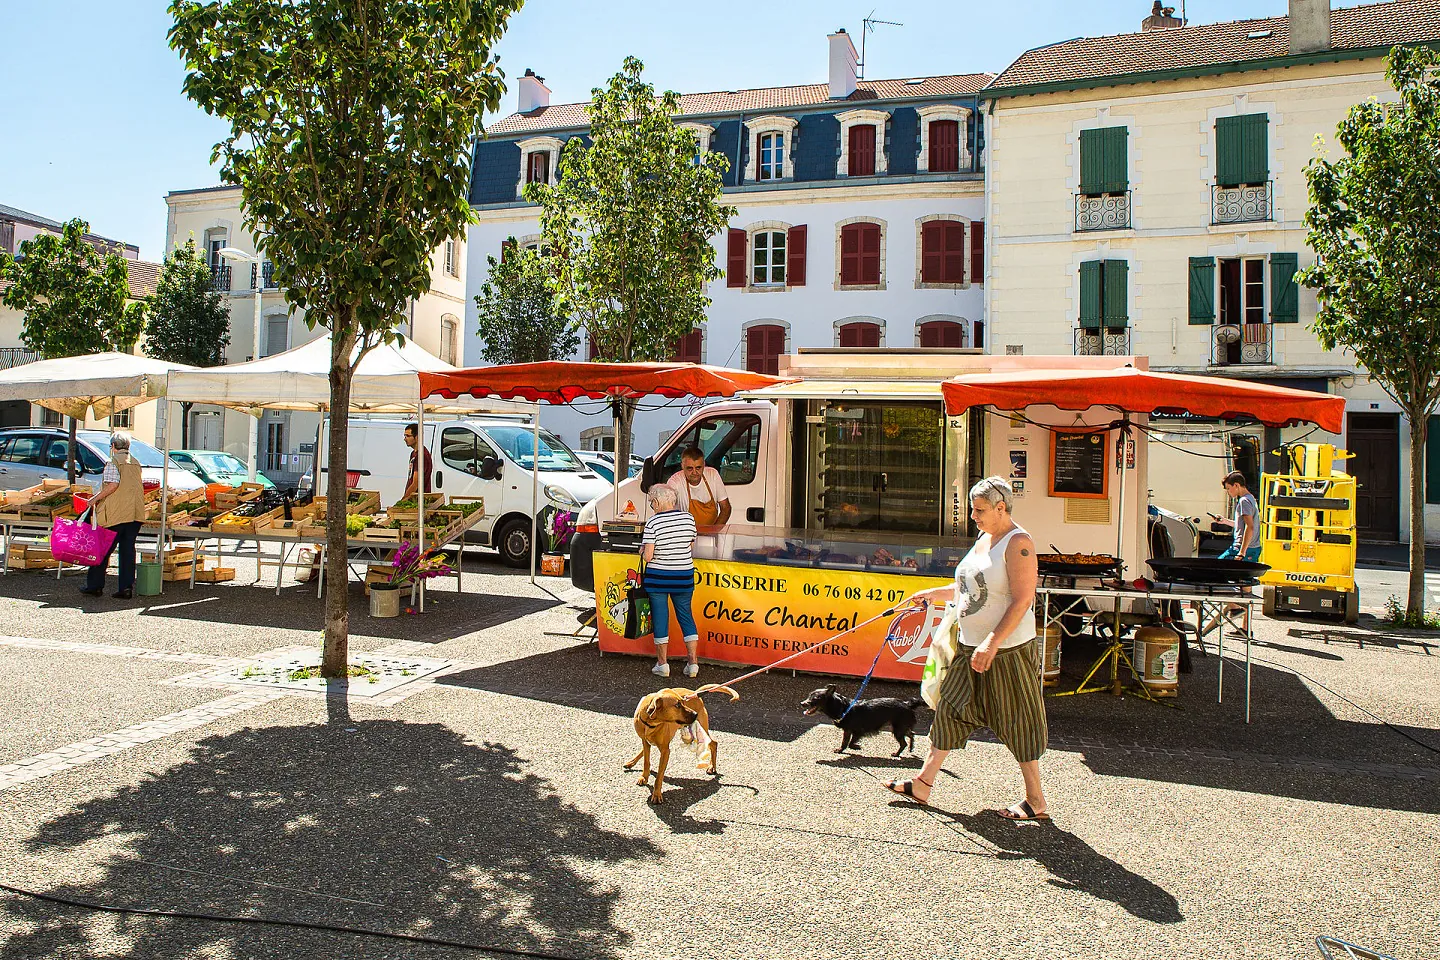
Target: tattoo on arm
(1024, 552)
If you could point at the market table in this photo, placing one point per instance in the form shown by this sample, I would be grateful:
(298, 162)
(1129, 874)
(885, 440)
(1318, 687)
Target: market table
(1200, 600)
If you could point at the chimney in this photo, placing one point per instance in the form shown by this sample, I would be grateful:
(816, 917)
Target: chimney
(1309, 26)
(843, 62)
(533, 92)
(1161, 18)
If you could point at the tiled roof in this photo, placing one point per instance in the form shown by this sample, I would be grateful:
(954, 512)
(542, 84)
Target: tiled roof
(14, 213)
(1215, 44)
(144, 278)
(568, 116)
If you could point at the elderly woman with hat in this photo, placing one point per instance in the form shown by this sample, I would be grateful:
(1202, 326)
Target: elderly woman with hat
(119, 506)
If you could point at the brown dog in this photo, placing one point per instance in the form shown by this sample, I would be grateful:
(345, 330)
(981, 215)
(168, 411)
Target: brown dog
(661, 715)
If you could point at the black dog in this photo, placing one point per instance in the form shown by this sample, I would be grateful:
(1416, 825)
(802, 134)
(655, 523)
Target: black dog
(866, 718)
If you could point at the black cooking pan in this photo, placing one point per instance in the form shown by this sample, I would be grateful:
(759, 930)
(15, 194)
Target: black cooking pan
(1102, 567)
(1206, 570)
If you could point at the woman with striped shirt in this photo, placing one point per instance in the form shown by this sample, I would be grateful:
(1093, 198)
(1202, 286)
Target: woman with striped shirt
(667, 547)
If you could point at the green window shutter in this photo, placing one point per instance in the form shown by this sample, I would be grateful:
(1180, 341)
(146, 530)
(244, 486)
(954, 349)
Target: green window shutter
(1116, 293)
(1117, 172)
(1092, 161)
(1202, 290)
(1432, 461)
(1227, 151)
(1284, 294)
(1254, 148)
(1090, 293)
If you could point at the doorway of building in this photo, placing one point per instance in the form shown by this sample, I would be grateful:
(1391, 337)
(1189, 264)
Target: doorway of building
(1374, 439)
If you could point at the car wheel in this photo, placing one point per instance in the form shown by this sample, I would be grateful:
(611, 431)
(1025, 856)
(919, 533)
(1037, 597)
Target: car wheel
(514, 543)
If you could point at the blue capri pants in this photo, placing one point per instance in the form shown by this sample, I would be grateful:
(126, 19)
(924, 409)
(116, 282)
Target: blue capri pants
(679, 587)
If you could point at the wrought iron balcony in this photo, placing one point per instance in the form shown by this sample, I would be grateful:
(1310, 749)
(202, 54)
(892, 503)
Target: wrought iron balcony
(1248, 203)
(1102, 341)
(1107, 211)
(220, 278)
(1241, 343)
(267, 275)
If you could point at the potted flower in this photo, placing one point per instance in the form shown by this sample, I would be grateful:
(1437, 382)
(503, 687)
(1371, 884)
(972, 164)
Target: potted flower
(558, 527)
(408, 567)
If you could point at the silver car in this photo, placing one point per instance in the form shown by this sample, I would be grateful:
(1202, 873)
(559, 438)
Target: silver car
(31, 454)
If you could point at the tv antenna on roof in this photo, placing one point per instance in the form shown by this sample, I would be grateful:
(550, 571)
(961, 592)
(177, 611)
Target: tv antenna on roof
(866, 26)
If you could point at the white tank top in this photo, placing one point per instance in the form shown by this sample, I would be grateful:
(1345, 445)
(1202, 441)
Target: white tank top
(982, 594)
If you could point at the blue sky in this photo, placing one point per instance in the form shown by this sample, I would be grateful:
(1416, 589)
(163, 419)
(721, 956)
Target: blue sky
(93, 122)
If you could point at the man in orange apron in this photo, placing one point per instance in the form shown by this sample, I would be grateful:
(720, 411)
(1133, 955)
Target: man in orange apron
(700, 490)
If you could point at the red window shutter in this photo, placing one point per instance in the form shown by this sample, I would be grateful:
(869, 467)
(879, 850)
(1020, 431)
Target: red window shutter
(870, 253)
(795, 256)
(506, 249)
(979, 341)
(944, 146)
(539, 170)
(590, 351)
(850, 253)
(929, 335)
(860, 335)
(941, 333)
(862, 150)
(735, 255)
(687, 349)
(977, 251)
(763, 345)
(954, 236)
(932, 252)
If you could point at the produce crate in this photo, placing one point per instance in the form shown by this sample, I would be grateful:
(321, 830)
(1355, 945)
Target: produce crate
(380, 533)
(31, 557)
(54, 502)
(280, 527)
(45, 488)
(433, 502)
(362, 502)
(376, 573)
(217, 575)
(464, 521)
(229, 523)
(175, 556)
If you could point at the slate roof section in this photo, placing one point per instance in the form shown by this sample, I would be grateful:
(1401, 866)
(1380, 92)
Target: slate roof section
(570, 116)
(1377, 25)
(144, 278)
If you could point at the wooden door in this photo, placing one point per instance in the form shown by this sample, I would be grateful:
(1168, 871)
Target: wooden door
(1374, 439)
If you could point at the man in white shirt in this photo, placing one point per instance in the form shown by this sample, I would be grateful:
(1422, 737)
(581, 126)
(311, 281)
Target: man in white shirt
(700, 490)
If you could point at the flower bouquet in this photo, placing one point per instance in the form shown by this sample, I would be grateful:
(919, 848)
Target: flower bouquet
(558, 526)
(409, 565)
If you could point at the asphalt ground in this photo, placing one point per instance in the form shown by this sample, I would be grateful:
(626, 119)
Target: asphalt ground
(490, 806)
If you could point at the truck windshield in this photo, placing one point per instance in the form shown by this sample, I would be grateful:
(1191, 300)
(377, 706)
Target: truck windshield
(519, 445)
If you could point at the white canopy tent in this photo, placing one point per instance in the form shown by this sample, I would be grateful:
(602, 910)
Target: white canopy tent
(103, 382)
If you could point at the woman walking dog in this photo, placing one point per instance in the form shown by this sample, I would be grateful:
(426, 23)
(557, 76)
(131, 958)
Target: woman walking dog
(994, 680)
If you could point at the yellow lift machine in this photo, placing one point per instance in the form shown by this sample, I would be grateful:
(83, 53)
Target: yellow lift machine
(1307, 534)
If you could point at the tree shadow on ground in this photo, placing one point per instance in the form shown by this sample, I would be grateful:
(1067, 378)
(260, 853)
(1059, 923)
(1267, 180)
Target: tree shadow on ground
(371, 823)
(1383, 635)
(1073, 864)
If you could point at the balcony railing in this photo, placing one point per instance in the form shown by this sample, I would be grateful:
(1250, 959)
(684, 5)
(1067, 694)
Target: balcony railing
(1110, 211)
(1244, 204)
(16, 356)
(220, 278)
(1241, 343)
(268, 275)
(1102, 341)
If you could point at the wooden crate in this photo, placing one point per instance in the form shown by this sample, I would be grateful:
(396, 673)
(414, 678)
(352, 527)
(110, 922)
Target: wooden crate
(362, 501)
(280, 527)
(14, 498)
(433, 502)
(389, 534)
(230, 523)
(34, 510)
(217, 575)
(462, 521)
(31, 557)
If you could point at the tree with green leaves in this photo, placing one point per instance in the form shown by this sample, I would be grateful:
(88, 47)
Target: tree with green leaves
(76, 299)
(1377, 246)
(351, 123)
(516, 311)
(630, 218)
(189, 320)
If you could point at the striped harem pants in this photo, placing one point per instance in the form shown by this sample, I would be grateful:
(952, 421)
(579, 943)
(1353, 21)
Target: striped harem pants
(1006, 698)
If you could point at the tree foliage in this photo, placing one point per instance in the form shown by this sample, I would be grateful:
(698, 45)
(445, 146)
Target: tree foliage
(350, 128)
(1377, 244)
(630, 217)
(517, 314)
(189, 320)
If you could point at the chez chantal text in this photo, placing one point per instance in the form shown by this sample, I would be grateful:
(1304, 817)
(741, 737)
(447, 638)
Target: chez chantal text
(775, 616)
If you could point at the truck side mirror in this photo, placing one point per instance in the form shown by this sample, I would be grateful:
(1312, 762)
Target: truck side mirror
(490, 468)
(647, 475)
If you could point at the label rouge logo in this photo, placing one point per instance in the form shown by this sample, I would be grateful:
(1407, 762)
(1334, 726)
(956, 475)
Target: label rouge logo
(909, 634)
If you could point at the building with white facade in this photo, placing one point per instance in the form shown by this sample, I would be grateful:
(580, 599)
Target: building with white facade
(212, 216)
(860, 218)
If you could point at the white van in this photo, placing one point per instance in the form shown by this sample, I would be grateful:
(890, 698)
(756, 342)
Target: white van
(489, 457)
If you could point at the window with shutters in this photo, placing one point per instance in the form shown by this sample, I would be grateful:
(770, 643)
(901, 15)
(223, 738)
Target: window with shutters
(689, 348)
(767, 257)
(945, 137)
(768, 155)
(1242, 191)
(764, 344)
(1103, 200)
(860, 254)
(539, 157)
(858, 333)
(277, 336)
(940, 333)
(1104, 309)
(943, 255)
(862, 150)
(862, 143)
(1432, 461)
(450, 338)
(538, 170)
(1243, 335)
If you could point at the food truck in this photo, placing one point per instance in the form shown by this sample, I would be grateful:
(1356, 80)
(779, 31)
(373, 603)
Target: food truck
(849, 492)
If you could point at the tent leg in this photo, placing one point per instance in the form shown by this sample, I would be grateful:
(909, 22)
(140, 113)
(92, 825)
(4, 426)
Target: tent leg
(535, 496)
(423, 472)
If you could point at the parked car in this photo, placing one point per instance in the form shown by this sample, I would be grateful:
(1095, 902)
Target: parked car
(217, 466)
(31, 454)
(605, 465)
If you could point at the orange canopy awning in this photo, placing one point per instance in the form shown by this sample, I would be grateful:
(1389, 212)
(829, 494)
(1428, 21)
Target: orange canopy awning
(1142, 391)
(565, 382)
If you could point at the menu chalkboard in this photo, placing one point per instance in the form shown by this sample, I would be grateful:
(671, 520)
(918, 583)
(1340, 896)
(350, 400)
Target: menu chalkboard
(1077, 465)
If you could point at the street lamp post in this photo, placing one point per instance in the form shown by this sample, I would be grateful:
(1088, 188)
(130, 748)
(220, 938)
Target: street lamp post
(252, 453)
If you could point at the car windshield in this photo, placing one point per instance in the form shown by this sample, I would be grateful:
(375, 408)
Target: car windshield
(219, 462)
(519, 445)
(140, 451)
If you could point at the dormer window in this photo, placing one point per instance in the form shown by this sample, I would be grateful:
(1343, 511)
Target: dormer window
(944, 139)
(772, 156)
(770, 151)
(539, 157)
(703, 132)
(862, 143)
(537, 170)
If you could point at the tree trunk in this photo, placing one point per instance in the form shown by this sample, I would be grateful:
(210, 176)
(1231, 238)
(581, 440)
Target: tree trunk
(1418, 430)
(624, 424)
(185, 406)
(337, 569)
(71, 453)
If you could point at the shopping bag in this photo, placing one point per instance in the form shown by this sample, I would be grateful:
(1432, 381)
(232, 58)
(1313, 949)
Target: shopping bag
(942, 654)
(80, 541)
(639, 614)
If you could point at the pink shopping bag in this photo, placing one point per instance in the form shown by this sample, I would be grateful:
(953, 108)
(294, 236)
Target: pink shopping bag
(80, 541)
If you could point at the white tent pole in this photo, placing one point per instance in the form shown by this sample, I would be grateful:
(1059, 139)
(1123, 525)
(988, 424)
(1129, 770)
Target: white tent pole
(422, 474)
(535, 496)
(164, 486)
(1120, 527)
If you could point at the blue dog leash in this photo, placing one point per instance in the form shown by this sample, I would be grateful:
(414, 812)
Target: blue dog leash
(889, 635)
